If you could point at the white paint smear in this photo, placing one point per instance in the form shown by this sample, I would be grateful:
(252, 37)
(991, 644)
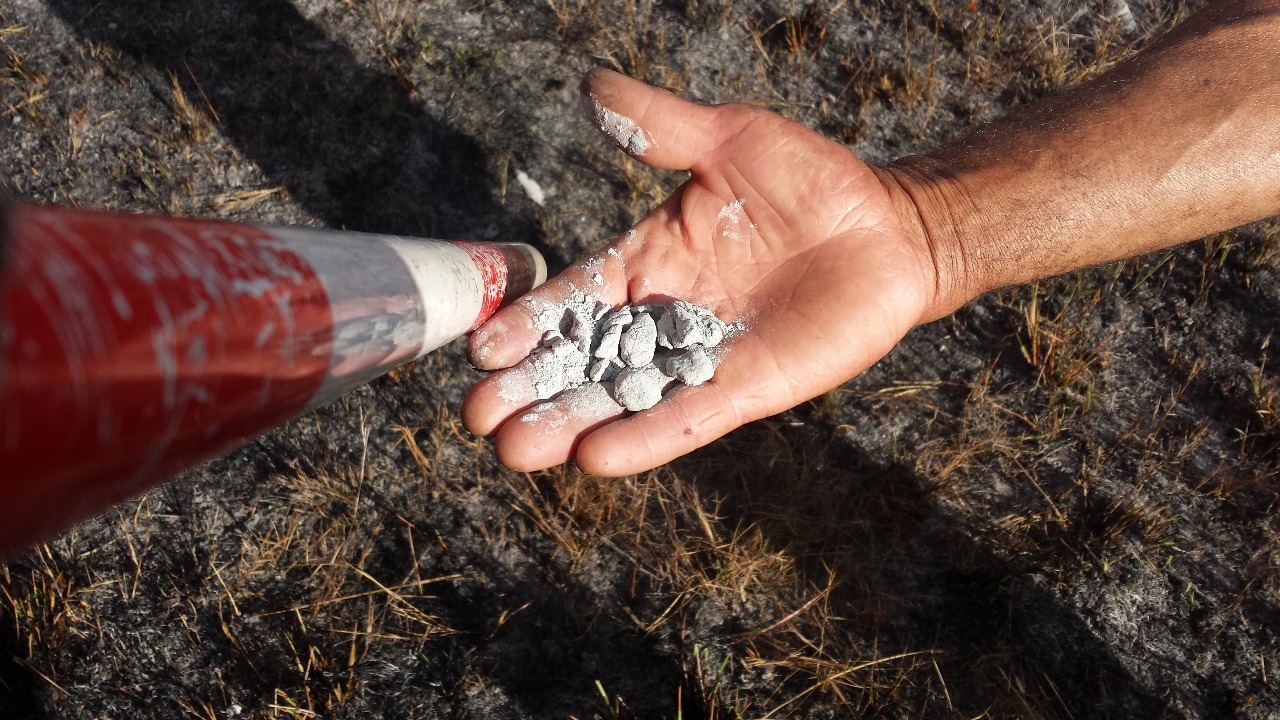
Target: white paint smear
(531, 188)
(590, 402)
(514, 385)
(621, 129)
(731, 220)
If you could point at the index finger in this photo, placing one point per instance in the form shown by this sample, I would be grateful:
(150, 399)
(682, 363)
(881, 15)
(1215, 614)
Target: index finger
(513, 332)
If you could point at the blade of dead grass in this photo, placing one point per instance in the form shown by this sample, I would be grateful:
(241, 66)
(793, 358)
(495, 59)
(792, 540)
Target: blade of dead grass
(244, 198)
(410, 610)
(842, 673)
(356, 596)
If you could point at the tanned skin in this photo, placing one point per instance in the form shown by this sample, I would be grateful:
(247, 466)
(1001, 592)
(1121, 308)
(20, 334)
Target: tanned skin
(840, 259)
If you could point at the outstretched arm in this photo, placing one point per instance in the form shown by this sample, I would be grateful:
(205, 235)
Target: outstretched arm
(830, 262)
(1181, 141)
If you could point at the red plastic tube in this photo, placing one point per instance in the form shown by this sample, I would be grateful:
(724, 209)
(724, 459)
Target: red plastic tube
(133, 347)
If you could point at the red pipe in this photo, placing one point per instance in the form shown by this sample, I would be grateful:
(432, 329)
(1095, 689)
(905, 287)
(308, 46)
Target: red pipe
(133, 347)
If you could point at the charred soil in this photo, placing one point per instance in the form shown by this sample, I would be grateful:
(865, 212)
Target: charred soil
(1060, 502)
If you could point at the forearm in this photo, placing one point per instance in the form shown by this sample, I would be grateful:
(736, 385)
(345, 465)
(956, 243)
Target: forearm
(1181, 141)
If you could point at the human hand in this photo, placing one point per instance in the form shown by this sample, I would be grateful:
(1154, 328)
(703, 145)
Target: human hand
(820, 256)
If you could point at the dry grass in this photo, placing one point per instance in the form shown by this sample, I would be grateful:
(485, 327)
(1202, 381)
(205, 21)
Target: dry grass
(624, 35)
(806, 565)
(1066, 345)
(317, 528)
(30, 87)
(195, 120)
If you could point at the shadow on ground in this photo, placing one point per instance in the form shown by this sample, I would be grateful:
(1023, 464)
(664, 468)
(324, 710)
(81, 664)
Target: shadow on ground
(908, 580)
(19, 693)
(346, 141)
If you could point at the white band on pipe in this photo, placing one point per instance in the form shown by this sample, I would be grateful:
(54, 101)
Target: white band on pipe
(394, 299)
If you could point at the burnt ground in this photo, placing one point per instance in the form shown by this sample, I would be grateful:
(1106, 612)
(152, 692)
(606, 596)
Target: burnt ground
(1060, 502)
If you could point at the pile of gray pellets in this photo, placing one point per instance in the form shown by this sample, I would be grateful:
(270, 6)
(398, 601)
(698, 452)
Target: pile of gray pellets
(636, 352)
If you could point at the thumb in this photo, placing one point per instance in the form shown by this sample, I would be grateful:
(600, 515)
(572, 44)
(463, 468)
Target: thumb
(654, 126)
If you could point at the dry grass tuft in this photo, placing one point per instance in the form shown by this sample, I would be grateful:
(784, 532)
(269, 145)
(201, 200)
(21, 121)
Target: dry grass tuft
(798, 31)
(1066, 345)
(195, 122)
(1262, 436)
(30, 88)
(923, 541)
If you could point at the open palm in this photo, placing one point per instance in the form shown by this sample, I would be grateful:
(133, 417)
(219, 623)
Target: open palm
(777, 227)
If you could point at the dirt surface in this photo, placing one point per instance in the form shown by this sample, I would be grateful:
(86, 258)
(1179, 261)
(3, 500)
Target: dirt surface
(1060, 502)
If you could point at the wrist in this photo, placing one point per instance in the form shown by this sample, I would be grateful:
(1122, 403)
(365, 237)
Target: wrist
(932, 206)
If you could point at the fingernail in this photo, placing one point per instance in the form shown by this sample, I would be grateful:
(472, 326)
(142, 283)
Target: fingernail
(482, 342)
(590, 105)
